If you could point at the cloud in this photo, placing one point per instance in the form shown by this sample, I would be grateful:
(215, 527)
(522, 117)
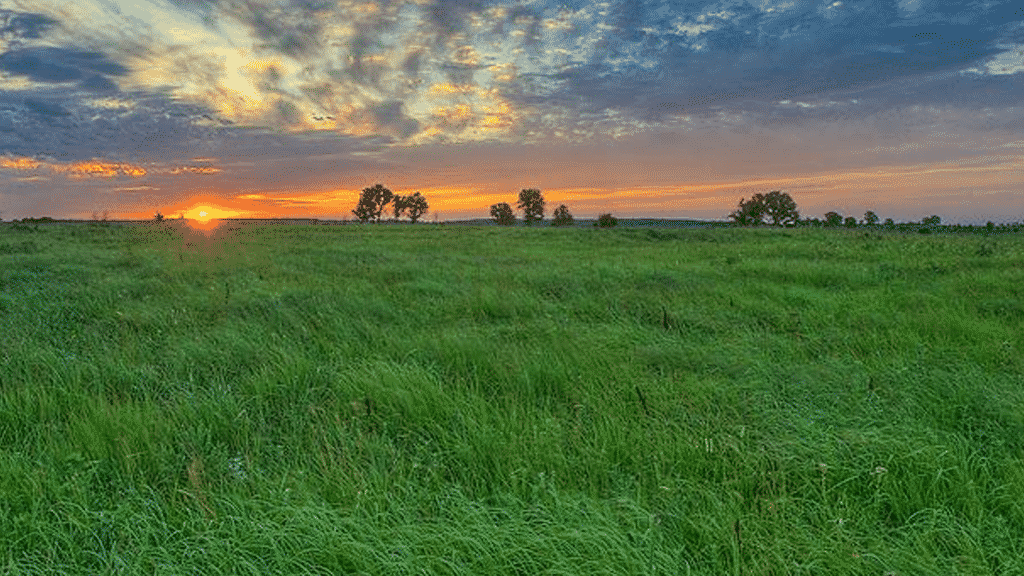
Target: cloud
(651, 62)
(447, 16)
(291, 30)
(392, 120)
(59, 65)
(18, 25)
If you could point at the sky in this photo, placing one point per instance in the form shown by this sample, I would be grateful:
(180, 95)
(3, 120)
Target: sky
(662, 109)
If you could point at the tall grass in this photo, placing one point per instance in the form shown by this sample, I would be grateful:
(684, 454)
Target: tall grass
(424, 399)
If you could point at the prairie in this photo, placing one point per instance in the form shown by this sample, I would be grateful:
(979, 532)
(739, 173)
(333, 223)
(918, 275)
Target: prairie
(482, 400)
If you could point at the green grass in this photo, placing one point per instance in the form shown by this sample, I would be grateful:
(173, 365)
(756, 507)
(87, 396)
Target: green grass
(482, 400)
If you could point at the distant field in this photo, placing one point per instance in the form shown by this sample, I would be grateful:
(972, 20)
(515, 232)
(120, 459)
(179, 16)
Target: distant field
(485, 400)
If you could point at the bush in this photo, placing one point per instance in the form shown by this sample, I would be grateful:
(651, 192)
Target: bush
(562, 217)
(606, 221)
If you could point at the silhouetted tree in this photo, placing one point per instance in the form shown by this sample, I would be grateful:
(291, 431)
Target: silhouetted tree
(780, 207)
(159, 217)
(502, 214)
(932, 221)
(606, 221)
(990, 226)
(833, 219)
(531, 202)
(870, 218)
(889, 223)
(750, 212)
(850, 222)
(399, 205)
(417, 206)
(562, 217)
(372, 202)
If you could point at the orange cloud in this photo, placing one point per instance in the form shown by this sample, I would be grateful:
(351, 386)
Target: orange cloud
(101, 169)
(19, 163)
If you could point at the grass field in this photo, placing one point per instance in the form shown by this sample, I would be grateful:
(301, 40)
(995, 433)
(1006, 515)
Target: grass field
(482, 400)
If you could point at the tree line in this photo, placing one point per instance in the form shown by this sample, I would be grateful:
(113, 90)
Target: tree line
(374, 199)
(778, 208)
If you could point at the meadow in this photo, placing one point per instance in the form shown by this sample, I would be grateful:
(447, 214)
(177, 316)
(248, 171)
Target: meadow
(431, 399)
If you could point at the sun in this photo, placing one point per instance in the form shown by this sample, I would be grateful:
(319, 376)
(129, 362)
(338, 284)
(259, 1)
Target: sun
(206, 218)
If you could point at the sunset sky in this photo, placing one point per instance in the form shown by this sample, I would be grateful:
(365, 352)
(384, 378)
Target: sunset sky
(670, 109)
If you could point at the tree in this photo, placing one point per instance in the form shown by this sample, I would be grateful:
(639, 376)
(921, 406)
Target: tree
(990, 226)
(833, 219)
(502, 214)
(777, 205)
(562, 217)
(750, 212)
(780, 207)
(932, 221)
(159, 217)
(531, 202)
(889, 223)
(851, 222)
(870, 218)
(417, 206)
(606, 221)
(399, 205)
(372, 202)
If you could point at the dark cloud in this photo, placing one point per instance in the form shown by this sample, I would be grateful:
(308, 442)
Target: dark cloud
(698, 56)
(293, 31)
(57, 124)
(448, 16)
(391, 119)
(98, 83)
(59, 65)
(24, 25)
(45, 108)
(413, 61)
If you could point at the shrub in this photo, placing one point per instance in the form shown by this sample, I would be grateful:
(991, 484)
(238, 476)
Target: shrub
(562, 217)
(606, 221)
